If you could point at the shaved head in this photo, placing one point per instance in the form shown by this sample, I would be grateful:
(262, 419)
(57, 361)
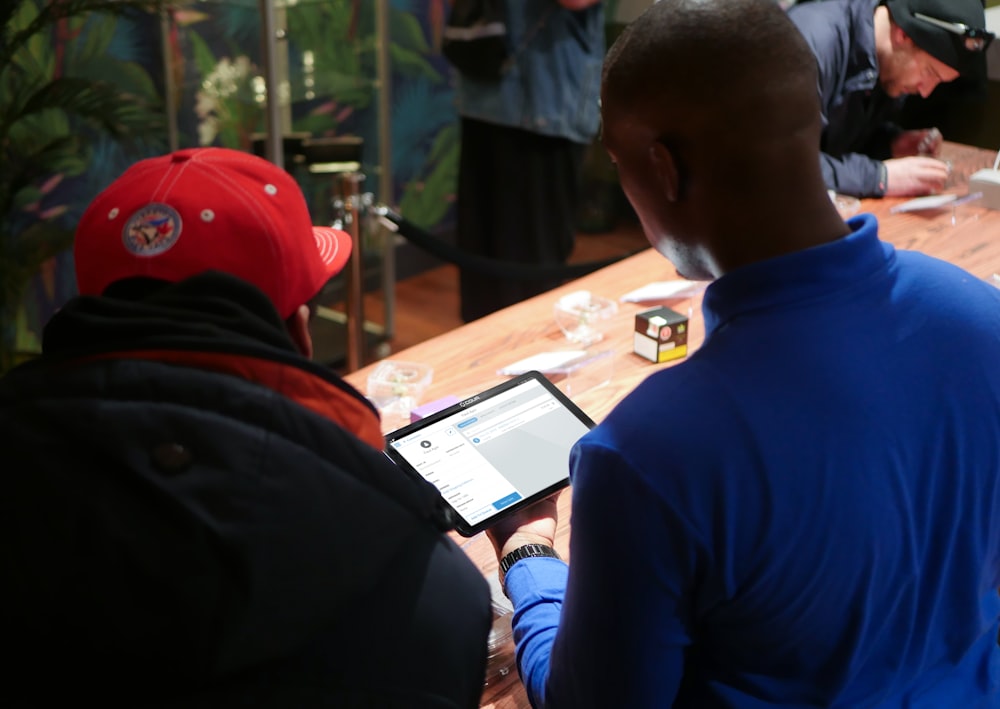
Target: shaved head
(711, 110)
(734, 63)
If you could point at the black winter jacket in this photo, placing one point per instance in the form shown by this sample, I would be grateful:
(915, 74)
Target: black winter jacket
(185, 523)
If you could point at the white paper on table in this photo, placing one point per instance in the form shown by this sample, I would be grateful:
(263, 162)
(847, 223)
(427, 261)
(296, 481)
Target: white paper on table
(664, 290)
(934, 201)
(545, 362)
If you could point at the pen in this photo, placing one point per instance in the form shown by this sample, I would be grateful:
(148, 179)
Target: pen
(971, 197)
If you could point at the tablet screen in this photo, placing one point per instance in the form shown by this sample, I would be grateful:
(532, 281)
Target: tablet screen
(495, 452)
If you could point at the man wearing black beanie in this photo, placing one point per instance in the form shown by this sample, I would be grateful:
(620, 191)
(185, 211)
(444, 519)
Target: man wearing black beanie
(871, 54)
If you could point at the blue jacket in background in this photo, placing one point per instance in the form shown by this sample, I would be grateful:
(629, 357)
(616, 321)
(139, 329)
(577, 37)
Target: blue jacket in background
(553, 86)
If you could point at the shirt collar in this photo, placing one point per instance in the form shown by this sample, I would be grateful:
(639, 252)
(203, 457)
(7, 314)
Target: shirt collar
(796, 277)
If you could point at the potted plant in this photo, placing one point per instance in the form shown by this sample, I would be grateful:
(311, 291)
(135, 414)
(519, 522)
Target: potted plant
(58, 88)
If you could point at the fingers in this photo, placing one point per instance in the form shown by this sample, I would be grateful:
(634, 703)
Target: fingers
(537, 522)
(917, 142)
(928, 165)
(930, 142)
(915, 176)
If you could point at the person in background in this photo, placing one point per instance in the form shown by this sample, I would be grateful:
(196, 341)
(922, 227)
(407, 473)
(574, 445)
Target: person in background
(195, 514)
(523, 140)
(806, 511)
(871, 54)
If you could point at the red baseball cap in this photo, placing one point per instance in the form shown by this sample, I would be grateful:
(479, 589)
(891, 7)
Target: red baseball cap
(208, 209)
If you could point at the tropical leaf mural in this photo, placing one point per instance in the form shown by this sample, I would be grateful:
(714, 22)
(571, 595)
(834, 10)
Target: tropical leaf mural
(70, 75)
(66, 65)
(332, 90)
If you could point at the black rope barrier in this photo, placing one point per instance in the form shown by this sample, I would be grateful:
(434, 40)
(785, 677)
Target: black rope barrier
(510, 270)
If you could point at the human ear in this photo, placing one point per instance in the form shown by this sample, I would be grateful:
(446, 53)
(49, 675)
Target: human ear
(298, 329)
(667, 171)
(899, 37)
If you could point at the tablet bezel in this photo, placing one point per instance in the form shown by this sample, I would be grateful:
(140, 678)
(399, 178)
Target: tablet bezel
(461, 526)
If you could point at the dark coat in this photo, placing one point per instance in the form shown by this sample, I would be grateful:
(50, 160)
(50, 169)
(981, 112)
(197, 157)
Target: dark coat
(186, 524)
(857, 114)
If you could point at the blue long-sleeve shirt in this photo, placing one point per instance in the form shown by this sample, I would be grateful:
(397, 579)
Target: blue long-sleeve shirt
(804, 513)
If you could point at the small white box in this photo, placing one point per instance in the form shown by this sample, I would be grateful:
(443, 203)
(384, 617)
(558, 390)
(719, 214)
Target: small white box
(986, 181)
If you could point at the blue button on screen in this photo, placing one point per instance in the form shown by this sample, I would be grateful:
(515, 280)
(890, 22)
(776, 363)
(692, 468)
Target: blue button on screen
(465, 423)
(507, 501)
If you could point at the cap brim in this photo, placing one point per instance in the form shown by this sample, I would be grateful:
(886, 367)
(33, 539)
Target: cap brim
(334, 248)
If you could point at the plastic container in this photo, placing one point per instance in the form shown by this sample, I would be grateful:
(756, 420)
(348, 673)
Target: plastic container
(583, 316)
(846, 205)
(395, 388)
(499, 646)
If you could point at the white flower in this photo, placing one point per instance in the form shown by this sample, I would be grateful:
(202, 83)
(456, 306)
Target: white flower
(228, 81)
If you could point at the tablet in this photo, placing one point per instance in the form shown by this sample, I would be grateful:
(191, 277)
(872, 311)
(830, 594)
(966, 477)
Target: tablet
(495, 452)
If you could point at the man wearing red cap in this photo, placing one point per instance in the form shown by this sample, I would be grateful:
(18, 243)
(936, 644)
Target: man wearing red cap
(195, 514)
(871, 54)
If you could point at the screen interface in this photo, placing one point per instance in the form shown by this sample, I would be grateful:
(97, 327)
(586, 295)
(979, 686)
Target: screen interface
(493, 453)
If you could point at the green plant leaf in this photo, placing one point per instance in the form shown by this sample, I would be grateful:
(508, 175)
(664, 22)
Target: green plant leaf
(98, 102)
(23, 255)
(49, 13)
(204, 60)
(446, 143)
(26, 341)
(30, 144)
(348, 90)
(65, 155)
(26, 196)
(34, 130)
(130, 77)
(8, 13)
(41, 154)
(46, 16)
(76, 25)
(426, 203)
(315, 124)
(313, 25)
(40, 242)
(406, 33)
(411, 63)
(44, 118)
(34, 57)
(98, 31)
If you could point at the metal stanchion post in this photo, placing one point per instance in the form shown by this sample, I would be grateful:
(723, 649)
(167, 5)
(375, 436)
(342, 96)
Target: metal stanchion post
(274, 150)
(350, 192)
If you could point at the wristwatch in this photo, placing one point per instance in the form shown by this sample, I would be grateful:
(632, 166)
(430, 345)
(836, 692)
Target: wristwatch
(525, 552)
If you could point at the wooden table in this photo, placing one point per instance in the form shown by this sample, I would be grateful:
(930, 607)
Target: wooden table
(466, 360)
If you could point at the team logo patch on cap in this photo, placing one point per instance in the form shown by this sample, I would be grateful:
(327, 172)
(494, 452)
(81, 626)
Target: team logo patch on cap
(152, 230)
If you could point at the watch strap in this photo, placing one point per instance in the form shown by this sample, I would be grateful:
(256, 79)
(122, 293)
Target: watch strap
(526, 551)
